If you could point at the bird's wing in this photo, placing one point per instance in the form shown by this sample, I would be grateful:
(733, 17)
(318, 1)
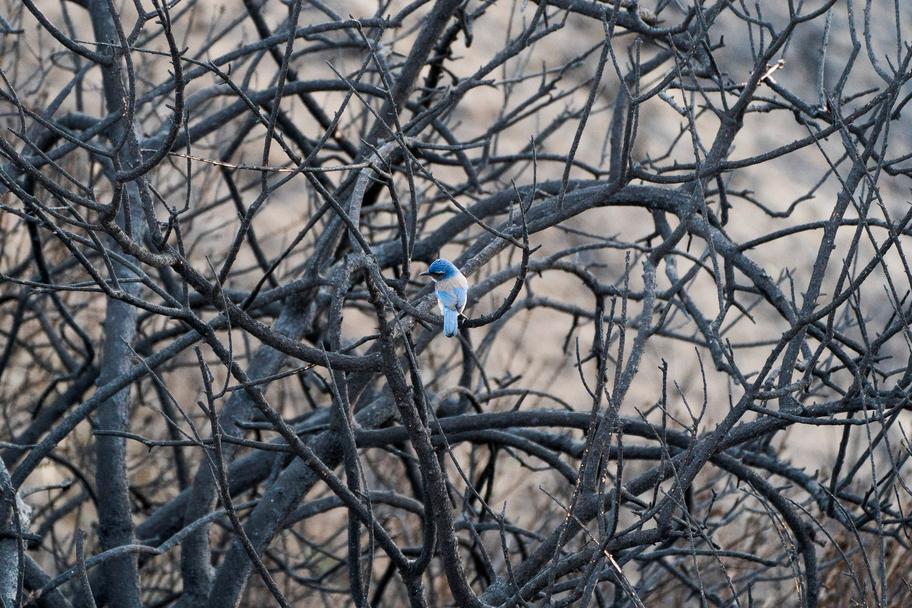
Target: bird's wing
(461, 295)
(452, 298)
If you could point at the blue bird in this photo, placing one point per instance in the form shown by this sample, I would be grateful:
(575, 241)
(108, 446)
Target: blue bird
(451, 288)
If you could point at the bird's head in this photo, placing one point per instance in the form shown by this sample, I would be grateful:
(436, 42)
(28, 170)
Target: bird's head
(440, 270)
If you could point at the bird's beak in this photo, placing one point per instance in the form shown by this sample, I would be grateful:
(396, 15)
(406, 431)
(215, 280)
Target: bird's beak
(424, 274)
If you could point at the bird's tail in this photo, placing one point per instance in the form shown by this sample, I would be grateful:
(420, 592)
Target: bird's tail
(450, 323)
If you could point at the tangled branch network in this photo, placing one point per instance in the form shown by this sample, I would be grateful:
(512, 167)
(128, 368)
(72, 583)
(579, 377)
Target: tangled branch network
(680, 375)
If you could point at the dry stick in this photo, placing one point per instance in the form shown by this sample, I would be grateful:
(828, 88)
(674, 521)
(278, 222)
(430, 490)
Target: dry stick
(222, 483)
(342, 425)
(86, 588)
(587, 109)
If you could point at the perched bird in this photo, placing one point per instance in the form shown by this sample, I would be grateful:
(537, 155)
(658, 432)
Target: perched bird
(451, 288)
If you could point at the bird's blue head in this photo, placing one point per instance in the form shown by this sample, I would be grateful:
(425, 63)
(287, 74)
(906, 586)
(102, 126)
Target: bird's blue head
(440, 270)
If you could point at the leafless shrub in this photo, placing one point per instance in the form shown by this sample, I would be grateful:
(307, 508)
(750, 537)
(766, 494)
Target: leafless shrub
(685, 366)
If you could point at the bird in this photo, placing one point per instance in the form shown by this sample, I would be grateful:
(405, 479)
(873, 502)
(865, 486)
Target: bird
(451, 289)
